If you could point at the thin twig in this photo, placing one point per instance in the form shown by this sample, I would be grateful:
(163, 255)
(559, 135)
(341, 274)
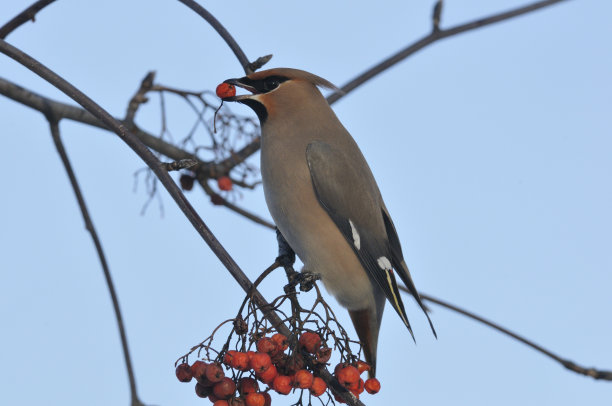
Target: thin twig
(592, 372)
(429, 39)
(139, 97)
(26, 15)
(227, 37)
(219, 200)
(55, 133)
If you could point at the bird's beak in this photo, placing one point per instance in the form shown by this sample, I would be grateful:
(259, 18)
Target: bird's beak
(240, 83)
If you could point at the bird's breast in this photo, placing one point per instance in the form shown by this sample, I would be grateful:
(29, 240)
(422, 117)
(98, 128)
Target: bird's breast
(306, 225)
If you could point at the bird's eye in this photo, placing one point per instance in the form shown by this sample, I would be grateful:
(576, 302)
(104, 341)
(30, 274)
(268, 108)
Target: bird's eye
(271, 83)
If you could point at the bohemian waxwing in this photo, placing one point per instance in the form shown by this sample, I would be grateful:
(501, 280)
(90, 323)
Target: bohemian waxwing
(324, 199)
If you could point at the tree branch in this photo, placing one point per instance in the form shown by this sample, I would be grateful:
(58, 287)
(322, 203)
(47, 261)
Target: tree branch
(55, 133)
(157, 167)
(23, 17)
(227, 37)
(592, 372)
(429, 39)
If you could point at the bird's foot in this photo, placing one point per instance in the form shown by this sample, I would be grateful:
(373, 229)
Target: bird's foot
(305, 279)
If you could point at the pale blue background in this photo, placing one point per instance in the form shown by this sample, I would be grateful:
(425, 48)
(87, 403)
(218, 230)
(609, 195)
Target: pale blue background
(492, 149)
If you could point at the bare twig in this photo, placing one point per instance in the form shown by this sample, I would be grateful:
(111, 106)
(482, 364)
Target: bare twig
(55, 133)
(437, 15)
(592, 372)
(227, 37)
(26, 15)
(429, 39)
(219, 200)
(139, 97)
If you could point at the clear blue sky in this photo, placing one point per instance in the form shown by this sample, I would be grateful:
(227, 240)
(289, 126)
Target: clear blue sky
(492, 149)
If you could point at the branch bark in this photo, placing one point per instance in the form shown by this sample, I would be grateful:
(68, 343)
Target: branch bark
(592, 372)
(59, 145)
(435, 35)
(26, 15)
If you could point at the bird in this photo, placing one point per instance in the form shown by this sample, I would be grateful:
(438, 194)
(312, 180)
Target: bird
(324, 199)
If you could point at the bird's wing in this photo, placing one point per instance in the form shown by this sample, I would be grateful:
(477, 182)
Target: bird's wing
(348, 192)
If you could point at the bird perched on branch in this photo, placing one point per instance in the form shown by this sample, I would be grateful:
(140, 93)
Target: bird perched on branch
(325, 200)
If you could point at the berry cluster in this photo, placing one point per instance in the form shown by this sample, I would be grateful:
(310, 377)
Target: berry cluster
(257, 360)
(272, 366)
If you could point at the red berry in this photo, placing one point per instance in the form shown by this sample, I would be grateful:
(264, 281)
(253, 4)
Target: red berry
(214, 373)
(267, 398)
(266, 345)
(268, 375)
(254, 399)
(247, 385)
(281, 341)
(357, 387)
(202, 391)
(260, 362)
(221, 402)
(240, 361)
(183, 372)
(372, 386)
(282, 384)
(348, 376)
(225, 90)
(225, 388)
(310, 341)
(224, 183)
(318, 386)
(228, 357)
(302, 379)
(198, 369)
(362, 366)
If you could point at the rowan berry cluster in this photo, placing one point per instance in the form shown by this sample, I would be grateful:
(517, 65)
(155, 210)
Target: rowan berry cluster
(256, 360)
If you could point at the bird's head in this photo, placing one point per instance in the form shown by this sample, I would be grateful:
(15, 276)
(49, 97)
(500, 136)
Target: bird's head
(279, 88)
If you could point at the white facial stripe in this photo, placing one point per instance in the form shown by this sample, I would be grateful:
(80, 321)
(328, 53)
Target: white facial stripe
(384, 263)
(356, 238)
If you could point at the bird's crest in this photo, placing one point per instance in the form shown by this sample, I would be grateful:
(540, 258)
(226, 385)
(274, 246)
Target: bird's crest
(294, 74)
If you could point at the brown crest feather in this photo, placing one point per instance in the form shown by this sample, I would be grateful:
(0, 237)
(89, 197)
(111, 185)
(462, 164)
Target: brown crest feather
(294, 74)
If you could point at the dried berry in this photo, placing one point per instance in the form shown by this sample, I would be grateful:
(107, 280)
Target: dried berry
(198, 369)
(214, 373)
(186, 182)
(310, 341)
(323, 355)
(202, 391)
(224, 389)
(247, 385)
(183, 372)
(225, 90)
